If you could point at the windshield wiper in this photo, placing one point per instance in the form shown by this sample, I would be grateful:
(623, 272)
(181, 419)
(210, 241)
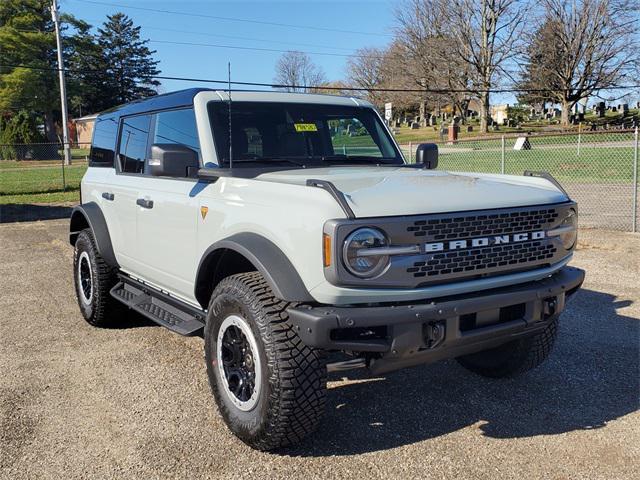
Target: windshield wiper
(259, 159)
(360, 159)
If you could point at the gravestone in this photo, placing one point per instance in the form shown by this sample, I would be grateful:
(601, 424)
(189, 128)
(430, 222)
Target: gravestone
(522, 143)
(601, 109)
(625, 108)
(415, 125)
(469, 128)
(614, 109)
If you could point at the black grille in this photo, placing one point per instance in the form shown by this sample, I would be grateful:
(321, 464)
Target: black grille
(478, 259)
(482, 225)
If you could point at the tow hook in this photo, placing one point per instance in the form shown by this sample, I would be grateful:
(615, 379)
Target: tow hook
(433, 333)
(550, 306)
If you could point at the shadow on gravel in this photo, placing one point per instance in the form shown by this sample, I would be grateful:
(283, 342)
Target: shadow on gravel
(591, 378)
(22, 212)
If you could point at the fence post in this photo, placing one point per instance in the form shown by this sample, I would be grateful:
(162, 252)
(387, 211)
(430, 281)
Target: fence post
(579, 137)
(64, 182)
(411, 160)
(502, 157)
(634, 209)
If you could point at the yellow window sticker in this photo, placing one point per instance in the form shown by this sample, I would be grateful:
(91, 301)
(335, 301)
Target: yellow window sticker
(306, 127)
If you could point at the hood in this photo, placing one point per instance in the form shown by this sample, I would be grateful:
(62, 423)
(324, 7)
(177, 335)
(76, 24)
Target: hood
(388, 191)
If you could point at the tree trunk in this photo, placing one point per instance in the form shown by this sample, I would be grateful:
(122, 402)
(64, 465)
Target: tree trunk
(484, 112)
(566, 111)
(50, 127)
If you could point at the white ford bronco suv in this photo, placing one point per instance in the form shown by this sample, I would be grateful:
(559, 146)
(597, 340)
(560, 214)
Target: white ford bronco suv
(289, 231)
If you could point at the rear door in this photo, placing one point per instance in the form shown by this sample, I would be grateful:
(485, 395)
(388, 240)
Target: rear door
(168, 212)
(133, 148)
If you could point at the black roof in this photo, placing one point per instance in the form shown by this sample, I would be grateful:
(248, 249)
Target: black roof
(181, 98)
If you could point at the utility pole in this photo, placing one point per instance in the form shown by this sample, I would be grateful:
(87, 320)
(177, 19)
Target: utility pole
(63, 89)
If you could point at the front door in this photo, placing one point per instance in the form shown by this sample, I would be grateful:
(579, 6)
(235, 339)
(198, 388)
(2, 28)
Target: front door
(168, 212)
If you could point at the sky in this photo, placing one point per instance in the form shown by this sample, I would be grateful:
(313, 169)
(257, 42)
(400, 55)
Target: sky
(366, 23)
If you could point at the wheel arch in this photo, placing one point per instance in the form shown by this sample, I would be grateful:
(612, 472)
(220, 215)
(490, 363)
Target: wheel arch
(245, 252)
(89, 215)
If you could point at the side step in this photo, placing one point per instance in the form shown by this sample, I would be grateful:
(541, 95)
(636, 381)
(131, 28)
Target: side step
(158, 306)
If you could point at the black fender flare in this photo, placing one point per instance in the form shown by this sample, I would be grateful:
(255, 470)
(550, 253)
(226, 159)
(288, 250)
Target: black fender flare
(89, 214)
(265, 256)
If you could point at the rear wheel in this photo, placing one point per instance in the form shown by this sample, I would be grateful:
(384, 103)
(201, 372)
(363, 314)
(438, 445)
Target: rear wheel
(515, 357)
(269, 387)
(93, 279)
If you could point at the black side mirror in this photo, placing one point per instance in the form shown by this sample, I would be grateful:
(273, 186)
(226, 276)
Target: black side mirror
(172, 160)
(427, 155)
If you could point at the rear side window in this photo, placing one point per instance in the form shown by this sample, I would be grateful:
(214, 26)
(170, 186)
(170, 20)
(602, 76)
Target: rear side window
(177, 127)
(134, 143)
(105, 132)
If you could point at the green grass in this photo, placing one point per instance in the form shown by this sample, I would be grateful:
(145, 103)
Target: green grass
(594, 165)
(39, 184)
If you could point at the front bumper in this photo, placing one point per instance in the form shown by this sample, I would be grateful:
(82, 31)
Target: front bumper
(402, 335)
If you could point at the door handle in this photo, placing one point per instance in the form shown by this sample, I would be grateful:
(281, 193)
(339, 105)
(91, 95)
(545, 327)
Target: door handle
(144, 203)
(108, 196)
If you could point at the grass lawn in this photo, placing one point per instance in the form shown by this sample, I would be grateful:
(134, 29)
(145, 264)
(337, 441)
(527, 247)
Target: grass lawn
(39, 182)
(594, 165)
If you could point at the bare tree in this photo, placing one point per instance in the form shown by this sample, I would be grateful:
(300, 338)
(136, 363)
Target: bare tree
(424, 34)
(581, 47)
(297, 72)
(365, 70)
(486, 36)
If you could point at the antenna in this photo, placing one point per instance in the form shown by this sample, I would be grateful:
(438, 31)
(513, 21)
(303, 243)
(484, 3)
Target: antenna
(230, 137)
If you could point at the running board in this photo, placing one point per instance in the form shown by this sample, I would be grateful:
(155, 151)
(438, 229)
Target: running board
(158, 306)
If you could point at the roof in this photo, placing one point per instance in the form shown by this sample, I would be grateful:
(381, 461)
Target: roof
(183, 98)
(86, 118)
(286, 97)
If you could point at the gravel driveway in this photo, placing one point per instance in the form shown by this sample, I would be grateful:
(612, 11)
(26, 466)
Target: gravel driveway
(133, 402)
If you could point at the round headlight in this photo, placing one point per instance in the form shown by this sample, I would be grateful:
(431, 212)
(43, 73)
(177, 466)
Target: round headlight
(570, 229)
(359, 254)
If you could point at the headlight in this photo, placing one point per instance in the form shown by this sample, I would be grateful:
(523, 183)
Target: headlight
(568, 229)
(359, 252)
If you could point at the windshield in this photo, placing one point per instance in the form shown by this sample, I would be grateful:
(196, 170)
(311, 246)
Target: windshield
(302, 134)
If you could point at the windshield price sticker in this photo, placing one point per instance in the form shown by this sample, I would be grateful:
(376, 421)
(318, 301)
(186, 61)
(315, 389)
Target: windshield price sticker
(306, 127)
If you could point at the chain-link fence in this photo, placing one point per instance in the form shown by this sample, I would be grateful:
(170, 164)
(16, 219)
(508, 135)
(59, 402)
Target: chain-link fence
(599, 170)
(35, 173)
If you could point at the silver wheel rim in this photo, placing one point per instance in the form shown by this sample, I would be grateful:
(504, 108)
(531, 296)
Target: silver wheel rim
(85, 278)
(234, 378)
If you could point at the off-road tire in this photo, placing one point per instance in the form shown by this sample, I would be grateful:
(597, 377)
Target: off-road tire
(103, 310)
(513, 358)
(293, 375)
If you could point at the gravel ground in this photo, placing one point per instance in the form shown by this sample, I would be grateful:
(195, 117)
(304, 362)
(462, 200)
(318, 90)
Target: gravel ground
(133, 402)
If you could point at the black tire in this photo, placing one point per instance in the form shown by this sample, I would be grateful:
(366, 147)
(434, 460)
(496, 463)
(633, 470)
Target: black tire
(515, 357)
(292, 379)
(96, 304)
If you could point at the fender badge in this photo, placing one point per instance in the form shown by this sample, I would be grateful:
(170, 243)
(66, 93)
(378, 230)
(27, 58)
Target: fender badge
(204, 211)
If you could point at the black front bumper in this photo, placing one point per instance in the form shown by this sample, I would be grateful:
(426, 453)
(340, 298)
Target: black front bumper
(402, 335)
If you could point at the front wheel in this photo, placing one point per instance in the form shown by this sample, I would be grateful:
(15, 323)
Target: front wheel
(515, 357)
(269, 386)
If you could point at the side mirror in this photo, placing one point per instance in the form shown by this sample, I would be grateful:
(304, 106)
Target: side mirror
(427, 155)
(172, 160)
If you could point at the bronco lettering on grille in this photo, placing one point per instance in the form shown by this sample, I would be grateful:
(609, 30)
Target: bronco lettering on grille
(483, 241)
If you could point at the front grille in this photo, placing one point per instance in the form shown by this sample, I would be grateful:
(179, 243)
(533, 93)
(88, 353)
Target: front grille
(480, 259)
(460, 246)
(487, 224)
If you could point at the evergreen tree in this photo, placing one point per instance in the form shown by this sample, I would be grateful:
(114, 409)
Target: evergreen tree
(129, 62)
(26, 38)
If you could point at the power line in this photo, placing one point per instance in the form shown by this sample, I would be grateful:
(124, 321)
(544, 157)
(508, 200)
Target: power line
(258, 49)
(325, 87)
(235, 19)
(236, 37)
